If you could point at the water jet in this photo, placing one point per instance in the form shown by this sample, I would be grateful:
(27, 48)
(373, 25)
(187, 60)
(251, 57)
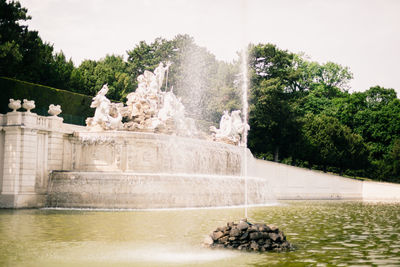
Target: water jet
(155, 159)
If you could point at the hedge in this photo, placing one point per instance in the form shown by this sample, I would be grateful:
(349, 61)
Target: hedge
(75, 107)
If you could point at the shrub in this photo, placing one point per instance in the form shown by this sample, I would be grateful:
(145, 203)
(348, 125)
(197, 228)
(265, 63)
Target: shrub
(75, 107)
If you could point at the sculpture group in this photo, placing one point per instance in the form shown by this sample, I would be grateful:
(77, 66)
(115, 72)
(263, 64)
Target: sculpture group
(149, 109)
(231, 128)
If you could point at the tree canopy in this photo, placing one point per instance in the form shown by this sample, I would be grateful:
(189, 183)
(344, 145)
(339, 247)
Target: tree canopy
(302, 113)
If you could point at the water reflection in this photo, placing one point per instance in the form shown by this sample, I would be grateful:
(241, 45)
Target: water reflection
(333, 233)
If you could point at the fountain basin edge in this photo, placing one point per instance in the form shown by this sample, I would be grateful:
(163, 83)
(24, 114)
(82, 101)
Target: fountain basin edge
(151, 191)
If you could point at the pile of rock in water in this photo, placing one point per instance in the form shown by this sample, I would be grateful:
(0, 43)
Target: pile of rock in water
(247, 236)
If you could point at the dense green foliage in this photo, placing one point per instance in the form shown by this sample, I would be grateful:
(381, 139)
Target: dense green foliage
(301, 112)
(75, 107)
(90, 76)
(23, 54)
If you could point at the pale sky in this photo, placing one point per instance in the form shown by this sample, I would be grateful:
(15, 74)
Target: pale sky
(361, 34)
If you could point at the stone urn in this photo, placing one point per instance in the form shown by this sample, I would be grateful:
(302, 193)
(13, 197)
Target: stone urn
(54, 110)
(28, 105)
(14, 104)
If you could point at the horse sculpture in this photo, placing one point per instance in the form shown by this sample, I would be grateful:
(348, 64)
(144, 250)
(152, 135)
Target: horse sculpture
(107, 115)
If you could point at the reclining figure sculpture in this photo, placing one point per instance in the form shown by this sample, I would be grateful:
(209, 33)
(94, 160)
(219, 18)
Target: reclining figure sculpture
(231, 128)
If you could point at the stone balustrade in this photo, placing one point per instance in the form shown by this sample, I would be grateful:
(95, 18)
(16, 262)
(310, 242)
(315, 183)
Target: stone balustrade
(30, 147)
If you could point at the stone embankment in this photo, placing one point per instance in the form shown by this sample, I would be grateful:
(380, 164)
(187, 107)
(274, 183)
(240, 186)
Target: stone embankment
(249, 237)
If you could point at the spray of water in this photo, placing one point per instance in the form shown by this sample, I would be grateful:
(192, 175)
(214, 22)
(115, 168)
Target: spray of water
(245, 119)
(245, 84)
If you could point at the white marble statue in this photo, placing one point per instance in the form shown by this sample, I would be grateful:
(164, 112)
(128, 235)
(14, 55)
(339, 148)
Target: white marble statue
(159, 72)
(107, 115)
(150, 82)
(142, 85)
(238, 126)
(14, 104)
(225, 125)
(172, 107)
(147, 109)
(231, 128)
(28, 105)
(54, 110)
(150, 109)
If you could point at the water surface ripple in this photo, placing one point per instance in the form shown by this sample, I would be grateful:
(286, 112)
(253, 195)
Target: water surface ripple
(325, 233)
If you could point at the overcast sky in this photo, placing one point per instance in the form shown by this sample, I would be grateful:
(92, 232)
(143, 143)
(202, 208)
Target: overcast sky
(361, 34)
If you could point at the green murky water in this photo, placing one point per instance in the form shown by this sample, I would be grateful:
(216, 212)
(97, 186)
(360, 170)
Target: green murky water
(325, 233)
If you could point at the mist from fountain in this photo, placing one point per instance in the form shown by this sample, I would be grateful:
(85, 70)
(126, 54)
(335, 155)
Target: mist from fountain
(245, 82)
(153, 159)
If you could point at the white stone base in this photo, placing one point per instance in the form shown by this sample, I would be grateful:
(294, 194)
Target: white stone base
(152, 191)
(375, 191)
(22, 201)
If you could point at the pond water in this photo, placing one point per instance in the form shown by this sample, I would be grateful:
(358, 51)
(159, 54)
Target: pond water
(324, 233)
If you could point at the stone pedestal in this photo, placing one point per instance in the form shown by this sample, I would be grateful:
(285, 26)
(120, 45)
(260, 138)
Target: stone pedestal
(19, 161)
(30, 144)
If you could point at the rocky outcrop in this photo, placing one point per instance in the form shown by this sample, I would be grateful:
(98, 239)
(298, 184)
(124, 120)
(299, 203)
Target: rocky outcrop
(247, 236)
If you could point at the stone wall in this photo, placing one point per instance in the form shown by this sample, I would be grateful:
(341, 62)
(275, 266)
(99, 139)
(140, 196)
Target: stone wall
(151, 191)
(290, 182)
(31, 147)
(293, 183)
(42, 157)
(375, 191)
(152, 153)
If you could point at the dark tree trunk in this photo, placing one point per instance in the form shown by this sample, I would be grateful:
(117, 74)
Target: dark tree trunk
(276, 154)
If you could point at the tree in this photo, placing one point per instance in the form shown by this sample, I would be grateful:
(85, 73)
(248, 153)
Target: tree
(23, 54)
(224, 92)
(274, 124)
(295, 108)
(273, 120)
(331, 75)
(378, 97)
(92, 75)
(10, 35)
(85, 72)
(269, 62)
(394, 160)
(330, 143)
(147, 57)
(194, 74)
(61, 71)
(378, 119)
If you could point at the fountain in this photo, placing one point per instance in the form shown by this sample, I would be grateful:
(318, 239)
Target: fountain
(245, 84)
(148, 109)
(147, 154)
(155, 158)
